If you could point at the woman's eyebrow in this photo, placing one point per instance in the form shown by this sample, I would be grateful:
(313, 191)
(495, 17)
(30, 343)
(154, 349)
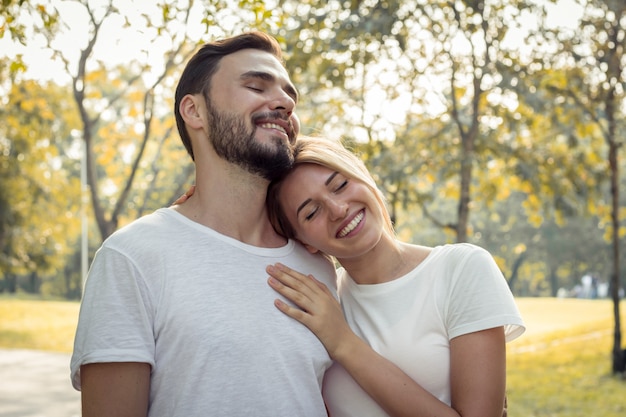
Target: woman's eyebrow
(330, 178)
(307, 201)
(266, 76)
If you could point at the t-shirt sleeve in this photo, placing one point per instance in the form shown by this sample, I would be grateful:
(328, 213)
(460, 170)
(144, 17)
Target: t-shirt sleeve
(116, 315)
(479, 296)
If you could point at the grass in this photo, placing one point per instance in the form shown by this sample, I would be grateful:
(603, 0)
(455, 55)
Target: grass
(560, 367)
(36, 324)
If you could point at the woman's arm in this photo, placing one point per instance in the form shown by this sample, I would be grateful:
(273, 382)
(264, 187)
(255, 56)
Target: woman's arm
(477, 360)
(115, 389)
(478, 371)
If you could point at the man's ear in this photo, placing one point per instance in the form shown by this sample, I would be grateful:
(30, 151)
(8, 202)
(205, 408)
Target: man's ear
(190, 110)
(310, 248)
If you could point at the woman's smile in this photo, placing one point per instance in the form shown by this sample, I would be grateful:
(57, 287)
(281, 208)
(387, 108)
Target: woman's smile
(354, 224)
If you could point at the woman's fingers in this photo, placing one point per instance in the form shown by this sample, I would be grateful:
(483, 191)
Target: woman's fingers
(294, 313)
(315, 305)
(293, 279)
(304, 312)
(185, 197)
(299, 298)
(303, 290)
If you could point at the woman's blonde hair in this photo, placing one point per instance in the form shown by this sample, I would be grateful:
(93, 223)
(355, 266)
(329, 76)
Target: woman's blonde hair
(330, 154)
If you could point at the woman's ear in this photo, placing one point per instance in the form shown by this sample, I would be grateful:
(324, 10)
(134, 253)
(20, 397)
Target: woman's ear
(190, 110)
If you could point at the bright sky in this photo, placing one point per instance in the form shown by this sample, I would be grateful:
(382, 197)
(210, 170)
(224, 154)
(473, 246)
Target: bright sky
(564, 14)
(123, 45)
(116, 45)
(119, 46)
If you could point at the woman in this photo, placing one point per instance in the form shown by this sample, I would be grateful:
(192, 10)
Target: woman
(425, 328)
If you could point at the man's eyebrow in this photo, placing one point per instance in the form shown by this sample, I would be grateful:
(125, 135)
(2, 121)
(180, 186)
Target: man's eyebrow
(266, 76)
(308, 200)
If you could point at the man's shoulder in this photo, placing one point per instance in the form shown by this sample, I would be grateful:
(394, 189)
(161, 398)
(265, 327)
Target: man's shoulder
(158, 223)
(316, 264)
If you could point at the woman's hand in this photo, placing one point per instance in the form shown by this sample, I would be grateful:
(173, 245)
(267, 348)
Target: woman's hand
(318, 309)
(478, 368)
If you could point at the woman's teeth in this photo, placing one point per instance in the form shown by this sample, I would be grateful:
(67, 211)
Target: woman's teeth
(352, 225)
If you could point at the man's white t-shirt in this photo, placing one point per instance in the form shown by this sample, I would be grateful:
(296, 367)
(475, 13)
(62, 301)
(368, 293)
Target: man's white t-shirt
(458, 289)
(196, 306)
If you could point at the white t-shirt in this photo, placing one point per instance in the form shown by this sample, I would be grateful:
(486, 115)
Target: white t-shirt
(196, 306)
(457, 289)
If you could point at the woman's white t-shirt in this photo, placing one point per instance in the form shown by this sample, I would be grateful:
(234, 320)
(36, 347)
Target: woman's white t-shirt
(458, 289)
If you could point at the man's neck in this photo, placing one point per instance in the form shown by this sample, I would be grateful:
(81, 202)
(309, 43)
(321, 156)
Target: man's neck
(233, 204)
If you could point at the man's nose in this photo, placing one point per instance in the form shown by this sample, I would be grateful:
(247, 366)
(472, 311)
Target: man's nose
(283, 101)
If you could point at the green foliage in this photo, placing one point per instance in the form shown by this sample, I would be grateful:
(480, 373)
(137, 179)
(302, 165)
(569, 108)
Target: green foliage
(421, 90)
(444, 62)
(11, 18)
(473, 98)
(39, 189)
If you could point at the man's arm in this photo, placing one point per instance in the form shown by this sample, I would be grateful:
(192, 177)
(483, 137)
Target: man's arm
(115, 389)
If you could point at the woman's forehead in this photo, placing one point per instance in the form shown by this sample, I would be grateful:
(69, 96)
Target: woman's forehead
(308, 171)
(301, 178)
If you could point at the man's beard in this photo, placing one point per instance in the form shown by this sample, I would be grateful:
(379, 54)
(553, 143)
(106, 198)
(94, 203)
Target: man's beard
(236, 143)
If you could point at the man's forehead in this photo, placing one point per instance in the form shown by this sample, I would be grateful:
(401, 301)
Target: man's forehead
(256, 64)
(247, 60)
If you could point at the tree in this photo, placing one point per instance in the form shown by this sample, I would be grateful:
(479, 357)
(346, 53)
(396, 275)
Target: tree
(450, 114)
(443, 61)
(39, 189)
(125, 107)
(494, 131)
(595, 90)
(96, 94)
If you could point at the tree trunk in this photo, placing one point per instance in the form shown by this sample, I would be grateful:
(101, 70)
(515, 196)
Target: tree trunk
(618, 353)
(611, 139)
(515, 269)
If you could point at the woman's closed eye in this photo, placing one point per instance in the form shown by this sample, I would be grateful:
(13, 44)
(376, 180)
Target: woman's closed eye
(311, 213)
(342, 185)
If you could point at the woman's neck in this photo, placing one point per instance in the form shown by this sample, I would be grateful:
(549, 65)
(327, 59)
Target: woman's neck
(389, 260)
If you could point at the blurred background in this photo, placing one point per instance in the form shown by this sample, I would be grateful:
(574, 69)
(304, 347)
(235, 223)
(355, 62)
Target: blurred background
(496, 122)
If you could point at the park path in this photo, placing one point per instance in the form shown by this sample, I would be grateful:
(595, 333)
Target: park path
(535, 347)
(36, 384)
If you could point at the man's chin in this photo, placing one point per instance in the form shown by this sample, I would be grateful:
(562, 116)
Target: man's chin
(271, 162)
(277, 169)
(280, 140)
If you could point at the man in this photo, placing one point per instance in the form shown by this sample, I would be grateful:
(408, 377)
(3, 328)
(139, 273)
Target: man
(177, 318)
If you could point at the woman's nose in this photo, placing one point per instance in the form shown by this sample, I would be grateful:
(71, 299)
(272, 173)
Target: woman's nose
(338, 209)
